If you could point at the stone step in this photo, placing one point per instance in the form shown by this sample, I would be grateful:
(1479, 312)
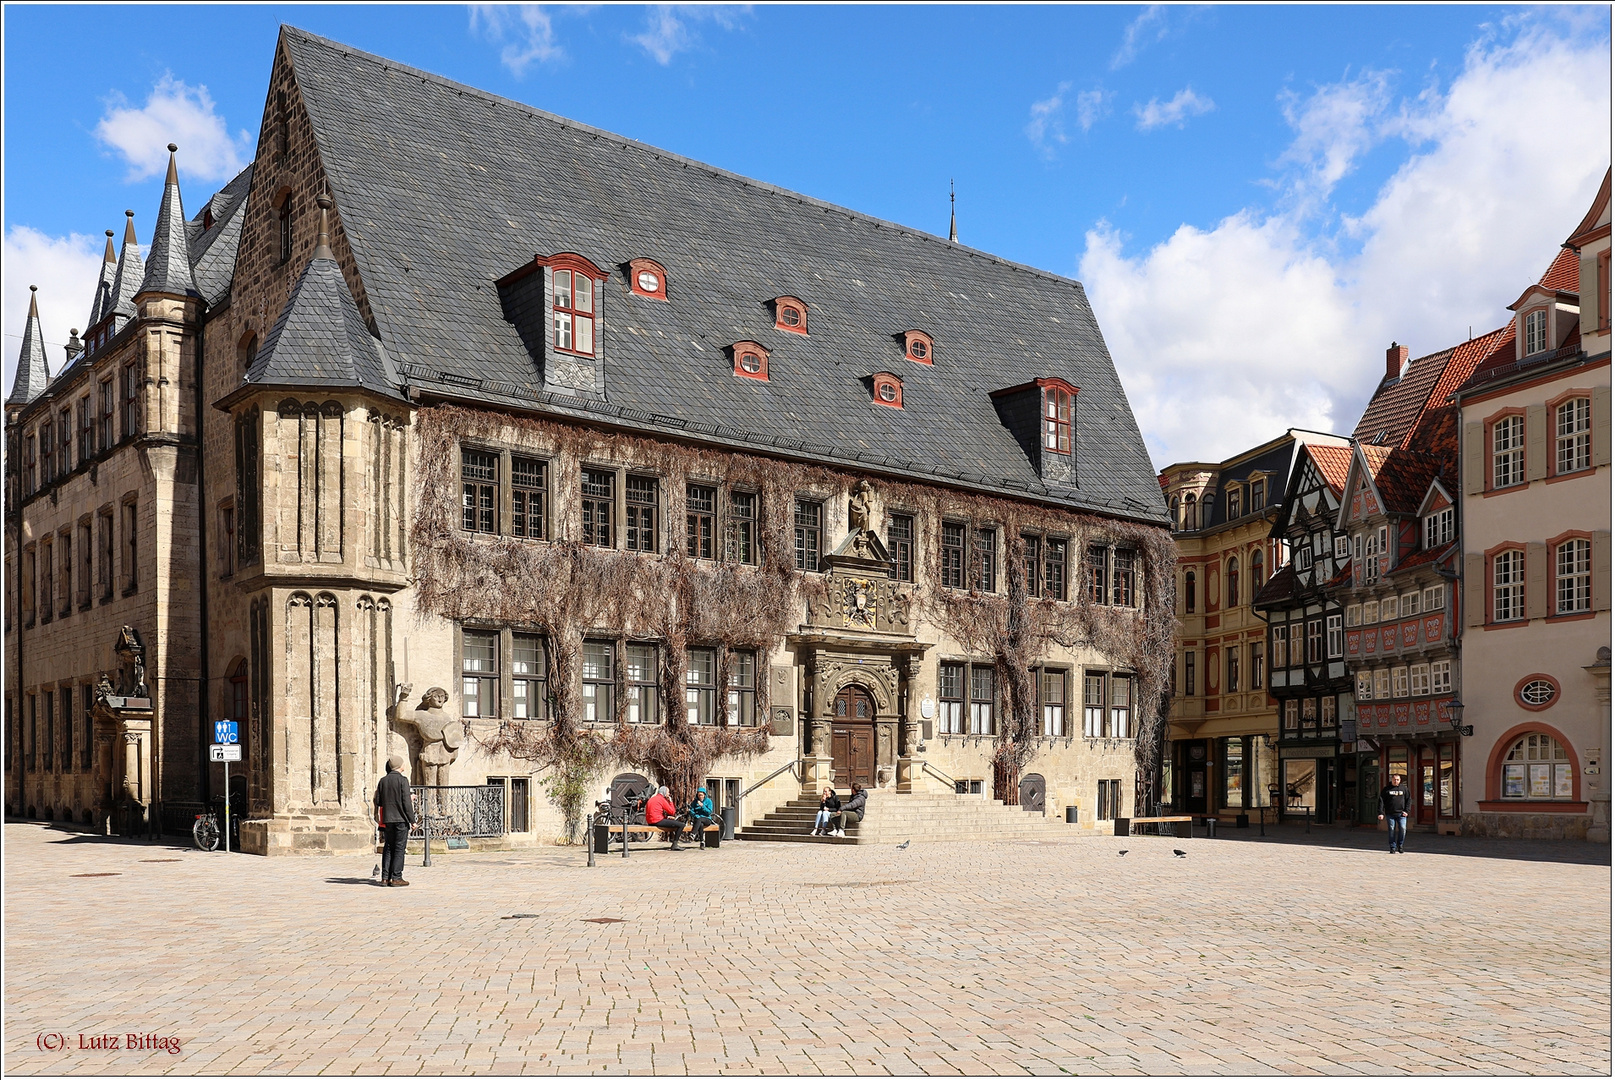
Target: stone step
(930, 817)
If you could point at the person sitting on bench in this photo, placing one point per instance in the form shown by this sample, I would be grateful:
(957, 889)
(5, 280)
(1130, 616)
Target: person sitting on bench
(700, 811)
(660, 813)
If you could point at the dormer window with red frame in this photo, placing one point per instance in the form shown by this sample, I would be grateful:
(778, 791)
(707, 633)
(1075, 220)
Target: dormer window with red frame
(648, 278)
(751, 360)
(790, 314)
(887, 389)
(1057, 399)
(572, 287)
(918, 346)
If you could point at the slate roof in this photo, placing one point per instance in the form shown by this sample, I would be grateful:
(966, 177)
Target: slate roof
(103, 287)
(131, 269)
(213, 251)
(168, 269)
(32, 371)
(321, 339)
(442, 189)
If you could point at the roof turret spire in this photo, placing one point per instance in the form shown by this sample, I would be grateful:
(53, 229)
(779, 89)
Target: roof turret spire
(322, 243)
(32, 371)
(953, 224)
(131, 269)
(168, 270)
(103, 287)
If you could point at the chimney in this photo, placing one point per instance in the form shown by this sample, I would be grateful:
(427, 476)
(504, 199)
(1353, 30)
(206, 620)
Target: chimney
(1396, 358)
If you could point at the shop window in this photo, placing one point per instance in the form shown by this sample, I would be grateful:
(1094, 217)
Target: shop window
(529, 677)
(1233, 773)
(640, 681)
(742, 688)
(480, 672)
(1446, 781)
(1537, 768)
(600, 682)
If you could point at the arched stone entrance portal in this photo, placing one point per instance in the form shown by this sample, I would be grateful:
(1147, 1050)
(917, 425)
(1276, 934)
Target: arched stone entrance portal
(852, 737)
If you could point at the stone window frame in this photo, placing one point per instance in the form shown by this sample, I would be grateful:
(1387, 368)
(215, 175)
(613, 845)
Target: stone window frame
(1037, 583)
(66, 566)
(801, 530)
(106, 554)
(228, 524)
(504, 485)
(786, 305)
(1062, 672)
(45, 595)
(902, 548)
(919, 347)
(86, 562)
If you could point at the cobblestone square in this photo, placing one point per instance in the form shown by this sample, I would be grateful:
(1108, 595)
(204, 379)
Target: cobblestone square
(1317, 954)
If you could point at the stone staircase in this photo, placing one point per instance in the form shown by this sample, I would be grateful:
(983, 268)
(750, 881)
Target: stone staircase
(928, 817)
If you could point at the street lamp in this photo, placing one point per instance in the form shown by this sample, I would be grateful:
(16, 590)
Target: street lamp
(1455, 712)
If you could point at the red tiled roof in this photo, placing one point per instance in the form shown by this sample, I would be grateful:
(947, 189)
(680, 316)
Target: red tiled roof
(1563, 274)
(1342, 576)
(1404, 479)
(1600, 201)
(1420, 558)
(1333, 462)
(1376, 457)
(1395, 407)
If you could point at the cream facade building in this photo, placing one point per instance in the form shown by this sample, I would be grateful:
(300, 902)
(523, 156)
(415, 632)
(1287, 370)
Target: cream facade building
(721, 485)
(1536, 550)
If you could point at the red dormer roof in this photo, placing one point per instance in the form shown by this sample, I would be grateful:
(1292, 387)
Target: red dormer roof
(1423, 558)
(1562, 274)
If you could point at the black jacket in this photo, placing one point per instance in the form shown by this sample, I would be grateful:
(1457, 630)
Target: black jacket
(832, 803)
(1395, 799)
(392, 795)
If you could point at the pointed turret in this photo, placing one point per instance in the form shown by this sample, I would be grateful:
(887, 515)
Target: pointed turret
(32, 371)
(103, 287)
(168, 267)
(320, 338)
(953, 224)
(131, 268)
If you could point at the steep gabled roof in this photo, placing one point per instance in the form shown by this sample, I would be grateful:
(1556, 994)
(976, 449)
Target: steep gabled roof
(1396, 406)
(213, 250)
(1599, 209)
(131, 269)
(1404, 478)
(1332, 463)
(103, 286)
(444, 189)
(32, 371)
(1563, 274)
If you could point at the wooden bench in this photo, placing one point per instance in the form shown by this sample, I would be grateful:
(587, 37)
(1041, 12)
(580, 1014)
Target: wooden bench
(652, 831)
(1124, 826)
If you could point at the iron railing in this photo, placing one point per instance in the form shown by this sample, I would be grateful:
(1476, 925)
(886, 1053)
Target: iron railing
(925, 766)
(788, 765)
(467, 811)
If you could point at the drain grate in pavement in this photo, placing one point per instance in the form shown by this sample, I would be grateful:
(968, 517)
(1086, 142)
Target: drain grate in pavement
(522, 915)
(605, 920)
(160, 860)
(96, 875)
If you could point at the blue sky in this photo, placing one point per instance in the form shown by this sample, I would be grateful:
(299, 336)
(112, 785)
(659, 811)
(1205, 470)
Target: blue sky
(1257, 198)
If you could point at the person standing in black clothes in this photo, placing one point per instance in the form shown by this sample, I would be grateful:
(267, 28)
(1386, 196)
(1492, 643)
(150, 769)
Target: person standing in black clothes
(1394, 800)
(395, 812)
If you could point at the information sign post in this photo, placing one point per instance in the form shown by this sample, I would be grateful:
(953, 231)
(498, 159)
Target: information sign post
(226, 748)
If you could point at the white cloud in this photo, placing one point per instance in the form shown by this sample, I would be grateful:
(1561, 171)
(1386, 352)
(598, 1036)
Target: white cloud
(1278, 318)
(174, 113)
(1150, 26)
(668, 27)
(1046, 127)
(1092, 105)
(66, 269)
(1184, 104)
(530, 27)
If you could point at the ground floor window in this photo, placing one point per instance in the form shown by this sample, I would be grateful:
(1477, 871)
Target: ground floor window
(1300, 783)
(1537, 768)
(1233, 773)
(967, 787)
(1109, 804)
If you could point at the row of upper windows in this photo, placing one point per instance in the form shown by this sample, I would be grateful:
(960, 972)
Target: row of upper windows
(1571, 582)
(90, 427)
(1391, 608)
(1238, 500)
(1304, 714)
(1233, 655)
(1414, 680)
(1308, 641)
(512, 497)
(35, 738)
(1572, 444)
(62, 571)
(1231, 580)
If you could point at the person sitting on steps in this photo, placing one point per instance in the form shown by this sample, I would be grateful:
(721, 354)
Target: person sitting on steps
(829, 805)
(851, 813)
(660, 813)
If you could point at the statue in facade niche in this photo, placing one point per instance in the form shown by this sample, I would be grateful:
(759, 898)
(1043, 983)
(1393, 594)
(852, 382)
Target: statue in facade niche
(861, 507)
(441, 733)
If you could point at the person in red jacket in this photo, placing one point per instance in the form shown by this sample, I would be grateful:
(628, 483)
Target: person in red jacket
(662, 814)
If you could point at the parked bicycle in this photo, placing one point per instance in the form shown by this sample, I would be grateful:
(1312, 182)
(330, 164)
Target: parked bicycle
(209, 830)
(206, 831)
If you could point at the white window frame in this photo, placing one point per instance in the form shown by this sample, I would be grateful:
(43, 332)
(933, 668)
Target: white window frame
(1365, 686)
(1419, 680)
(1435, 598)
(1409, 604)
(1573, 443)
(1536, 331)
(1573, 577)
(1335, 637)
(1440, 676)
(1342, 548)
(1508, 586)
(1354, 615)
(1508, 451)
(1399, 682)
(1382, 684)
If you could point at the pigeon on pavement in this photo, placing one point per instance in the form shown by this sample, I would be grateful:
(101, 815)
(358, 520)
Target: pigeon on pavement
(1179, 853)
(904, 844)
(1123, 851)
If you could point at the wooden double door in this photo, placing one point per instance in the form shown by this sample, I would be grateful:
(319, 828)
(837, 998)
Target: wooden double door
(852, 738)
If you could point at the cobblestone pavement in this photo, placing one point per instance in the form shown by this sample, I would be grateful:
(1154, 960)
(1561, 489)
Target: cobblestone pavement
(1319, 954)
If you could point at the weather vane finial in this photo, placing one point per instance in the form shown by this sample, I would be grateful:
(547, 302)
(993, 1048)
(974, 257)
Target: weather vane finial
(953, 222)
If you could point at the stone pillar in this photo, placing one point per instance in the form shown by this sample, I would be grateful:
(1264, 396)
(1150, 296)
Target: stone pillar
(908, 728)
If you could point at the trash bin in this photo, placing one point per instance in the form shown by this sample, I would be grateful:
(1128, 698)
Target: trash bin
(1071, 817)
(1211, 827)
(1124, 826)
(602, 836)
(730, 816)
(1243, 821)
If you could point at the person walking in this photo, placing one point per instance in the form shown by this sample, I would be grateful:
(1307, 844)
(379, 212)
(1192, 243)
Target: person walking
(395, 813)
(852, 812)
(829, 806)
(1394, 800)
